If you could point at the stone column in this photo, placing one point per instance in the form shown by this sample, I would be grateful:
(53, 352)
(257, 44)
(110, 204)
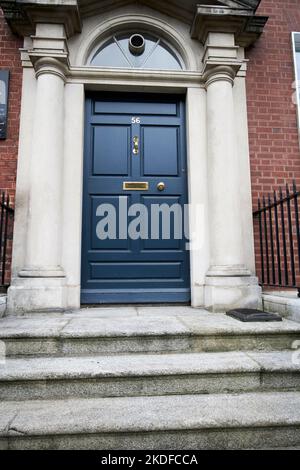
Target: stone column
(40, 284)
(223, 169)
(229, 284)
(43, 254)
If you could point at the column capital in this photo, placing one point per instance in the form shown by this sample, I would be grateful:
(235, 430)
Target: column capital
(223, 73)
(50, 65)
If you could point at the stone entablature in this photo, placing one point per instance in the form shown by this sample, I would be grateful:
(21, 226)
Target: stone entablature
(239, 16)
(243, 23)
(23, 16)
(234, 17)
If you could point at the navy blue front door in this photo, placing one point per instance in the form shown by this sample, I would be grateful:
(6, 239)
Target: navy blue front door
(135, 154)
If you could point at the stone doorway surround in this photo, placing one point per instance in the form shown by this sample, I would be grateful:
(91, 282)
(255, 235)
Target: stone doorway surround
(59, 37)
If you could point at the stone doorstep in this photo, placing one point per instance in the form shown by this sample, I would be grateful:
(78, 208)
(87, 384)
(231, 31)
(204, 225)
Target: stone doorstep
(136, 322)
(238, 419)
(146, 365)
(248, 417)
(140, 330)
(147, 375)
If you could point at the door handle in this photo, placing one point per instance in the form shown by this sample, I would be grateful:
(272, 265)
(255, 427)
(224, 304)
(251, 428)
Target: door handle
(161, 186)
(136, 142)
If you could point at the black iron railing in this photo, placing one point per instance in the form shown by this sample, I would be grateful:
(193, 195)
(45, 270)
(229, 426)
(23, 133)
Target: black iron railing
(6, 231)
(279, 238)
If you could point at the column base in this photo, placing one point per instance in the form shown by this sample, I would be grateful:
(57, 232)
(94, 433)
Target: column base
(231, 270)
(29, 295)
(35, 272)
(223, 293)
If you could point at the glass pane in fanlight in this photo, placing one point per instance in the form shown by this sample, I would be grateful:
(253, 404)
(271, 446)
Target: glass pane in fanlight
(110, 56)
(162, 59)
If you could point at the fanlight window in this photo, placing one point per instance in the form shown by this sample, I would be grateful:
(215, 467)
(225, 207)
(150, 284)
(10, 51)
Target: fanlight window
(140, 51)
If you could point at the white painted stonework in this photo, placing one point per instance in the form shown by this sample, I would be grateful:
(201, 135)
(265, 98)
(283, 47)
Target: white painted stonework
(2, 305)
(47, 241)
(286, 303)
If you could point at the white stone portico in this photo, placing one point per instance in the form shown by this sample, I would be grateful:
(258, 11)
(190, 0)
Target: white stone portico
(59, 38)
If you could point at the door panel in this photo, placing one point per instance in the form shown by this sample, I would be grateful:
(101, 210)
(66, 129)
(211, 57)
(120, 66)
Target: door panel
(138, 272)
(138, 107)
(111, 150)
(158, 142)
(130, 140)
(157, 240)
(110, 244)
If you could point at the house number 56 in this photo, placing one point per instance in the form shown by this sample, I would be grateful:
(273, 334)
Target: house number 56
(135, 120)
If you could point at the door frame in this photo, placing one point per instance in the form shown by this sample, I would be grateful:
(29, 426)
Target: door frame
(197, 179)
(178, 295)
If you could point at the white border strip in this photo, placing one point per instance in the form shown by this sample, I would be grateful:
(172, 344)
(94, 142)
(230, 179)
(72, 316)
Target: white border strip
(297, 79)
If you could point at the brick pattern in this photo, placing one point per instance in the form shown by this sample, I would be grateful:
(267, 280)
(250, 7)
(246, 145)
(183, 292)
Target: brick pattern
(10, 59)
(273, 130)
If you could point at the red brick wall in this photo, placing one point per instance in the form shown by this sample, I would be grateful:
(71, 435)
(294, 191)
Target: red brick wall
(274, 142)
(273, 133)
(10, 59)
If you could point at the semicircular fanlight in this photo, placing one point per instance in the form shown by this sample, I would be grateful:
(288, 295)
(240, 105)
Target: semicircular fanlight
(136, 51)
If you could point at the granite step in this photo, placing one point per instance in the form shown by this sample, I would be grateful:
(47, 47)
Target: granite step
(222, 421)
(145, 375)
(140, 330)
